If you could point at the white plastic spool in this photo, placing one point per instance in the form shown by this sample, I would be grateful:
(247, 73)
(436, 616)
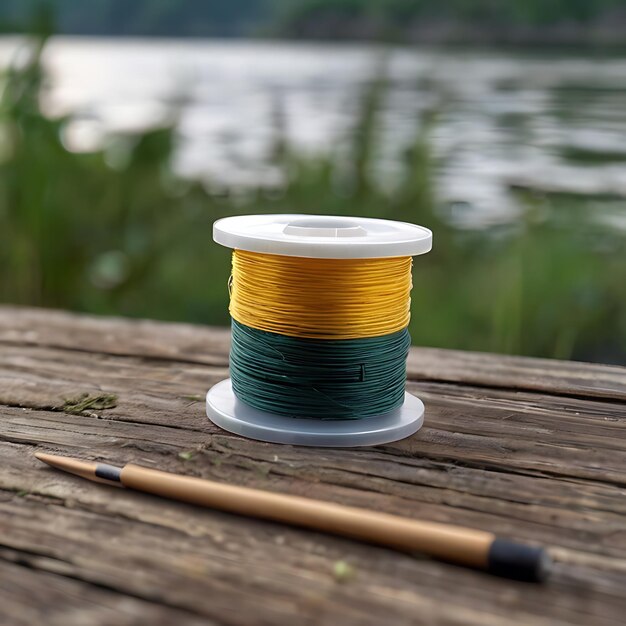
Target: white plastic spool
(328, 237)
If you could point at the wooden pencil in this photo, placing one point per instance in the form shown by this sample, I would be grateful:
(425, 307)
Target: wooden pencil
(454, 544)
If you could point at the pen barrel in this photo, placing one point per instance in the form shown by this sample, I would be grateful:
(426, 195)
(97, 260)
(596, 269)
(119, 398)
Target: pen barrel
(451, 543)
(464, 546)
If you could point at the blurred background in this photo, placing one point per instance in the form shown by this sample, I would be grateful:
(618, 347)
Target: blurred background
(127, 128)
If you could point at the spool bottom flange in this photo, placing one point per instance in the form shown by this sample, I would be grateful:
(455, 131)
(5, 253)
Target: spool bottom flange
(226, 411)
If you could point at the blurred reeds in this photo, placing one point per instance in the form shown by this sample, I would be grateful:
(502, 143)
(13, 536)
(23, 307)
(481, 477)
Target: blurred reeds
(116, 232)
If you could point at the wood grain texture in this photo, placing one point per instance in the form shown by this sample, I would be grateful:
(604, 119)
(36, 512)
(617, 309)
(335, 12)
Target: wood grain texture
(530, 449)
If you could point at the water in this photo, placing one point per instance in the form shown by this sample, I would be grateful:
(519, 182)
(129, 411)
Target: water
(544, 122)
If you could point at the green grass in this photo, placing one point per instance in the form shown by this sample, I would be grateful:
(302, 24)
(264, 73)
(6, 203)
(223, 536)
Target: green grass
(124, 236)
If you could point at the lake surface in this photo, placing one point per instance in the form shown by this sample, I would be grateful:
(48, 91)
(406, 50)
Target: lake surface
(547, 122)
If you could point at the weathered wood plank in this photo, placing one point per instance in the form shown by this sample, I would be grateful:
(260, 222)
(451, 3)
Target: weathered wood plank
(196, 560)
(530, 449)
(522, 507)
(509, 430)
(110, 335)
(515, 505)
(29, 595)
(198, 344)
(526, 440)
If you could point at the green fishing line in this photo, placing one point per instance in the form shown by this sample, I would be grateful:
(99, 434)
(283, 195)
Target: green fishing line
(319, 379)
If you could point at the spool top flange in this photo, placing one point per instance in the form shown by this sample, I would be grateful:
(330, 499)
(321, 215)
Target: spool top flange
(317, 236)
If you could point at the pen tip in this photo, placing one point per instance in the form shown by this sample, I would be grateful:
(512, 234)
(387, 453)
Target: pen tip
(67, 464)
(46, 458)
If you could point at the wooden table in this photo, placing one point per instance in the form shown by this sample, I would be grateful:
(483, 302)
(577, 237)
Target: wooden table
(534, 450)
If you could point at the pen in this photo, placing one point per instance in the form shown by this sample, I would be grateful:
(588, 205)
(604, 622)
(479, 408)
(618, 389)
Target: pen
(464, 546)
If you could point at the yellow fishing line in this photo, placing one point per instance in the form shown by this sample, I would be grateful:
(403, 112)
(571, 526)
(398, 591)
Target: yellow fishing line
(321, 298)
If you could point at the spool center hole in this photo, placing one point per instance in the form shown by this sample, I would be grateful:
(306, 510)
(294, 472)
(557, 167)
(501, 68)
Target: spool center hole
(324, 227)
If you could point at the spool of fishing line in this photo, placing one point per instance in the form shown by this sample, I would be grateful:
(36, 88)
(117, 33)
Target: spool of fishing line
(320, 308)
